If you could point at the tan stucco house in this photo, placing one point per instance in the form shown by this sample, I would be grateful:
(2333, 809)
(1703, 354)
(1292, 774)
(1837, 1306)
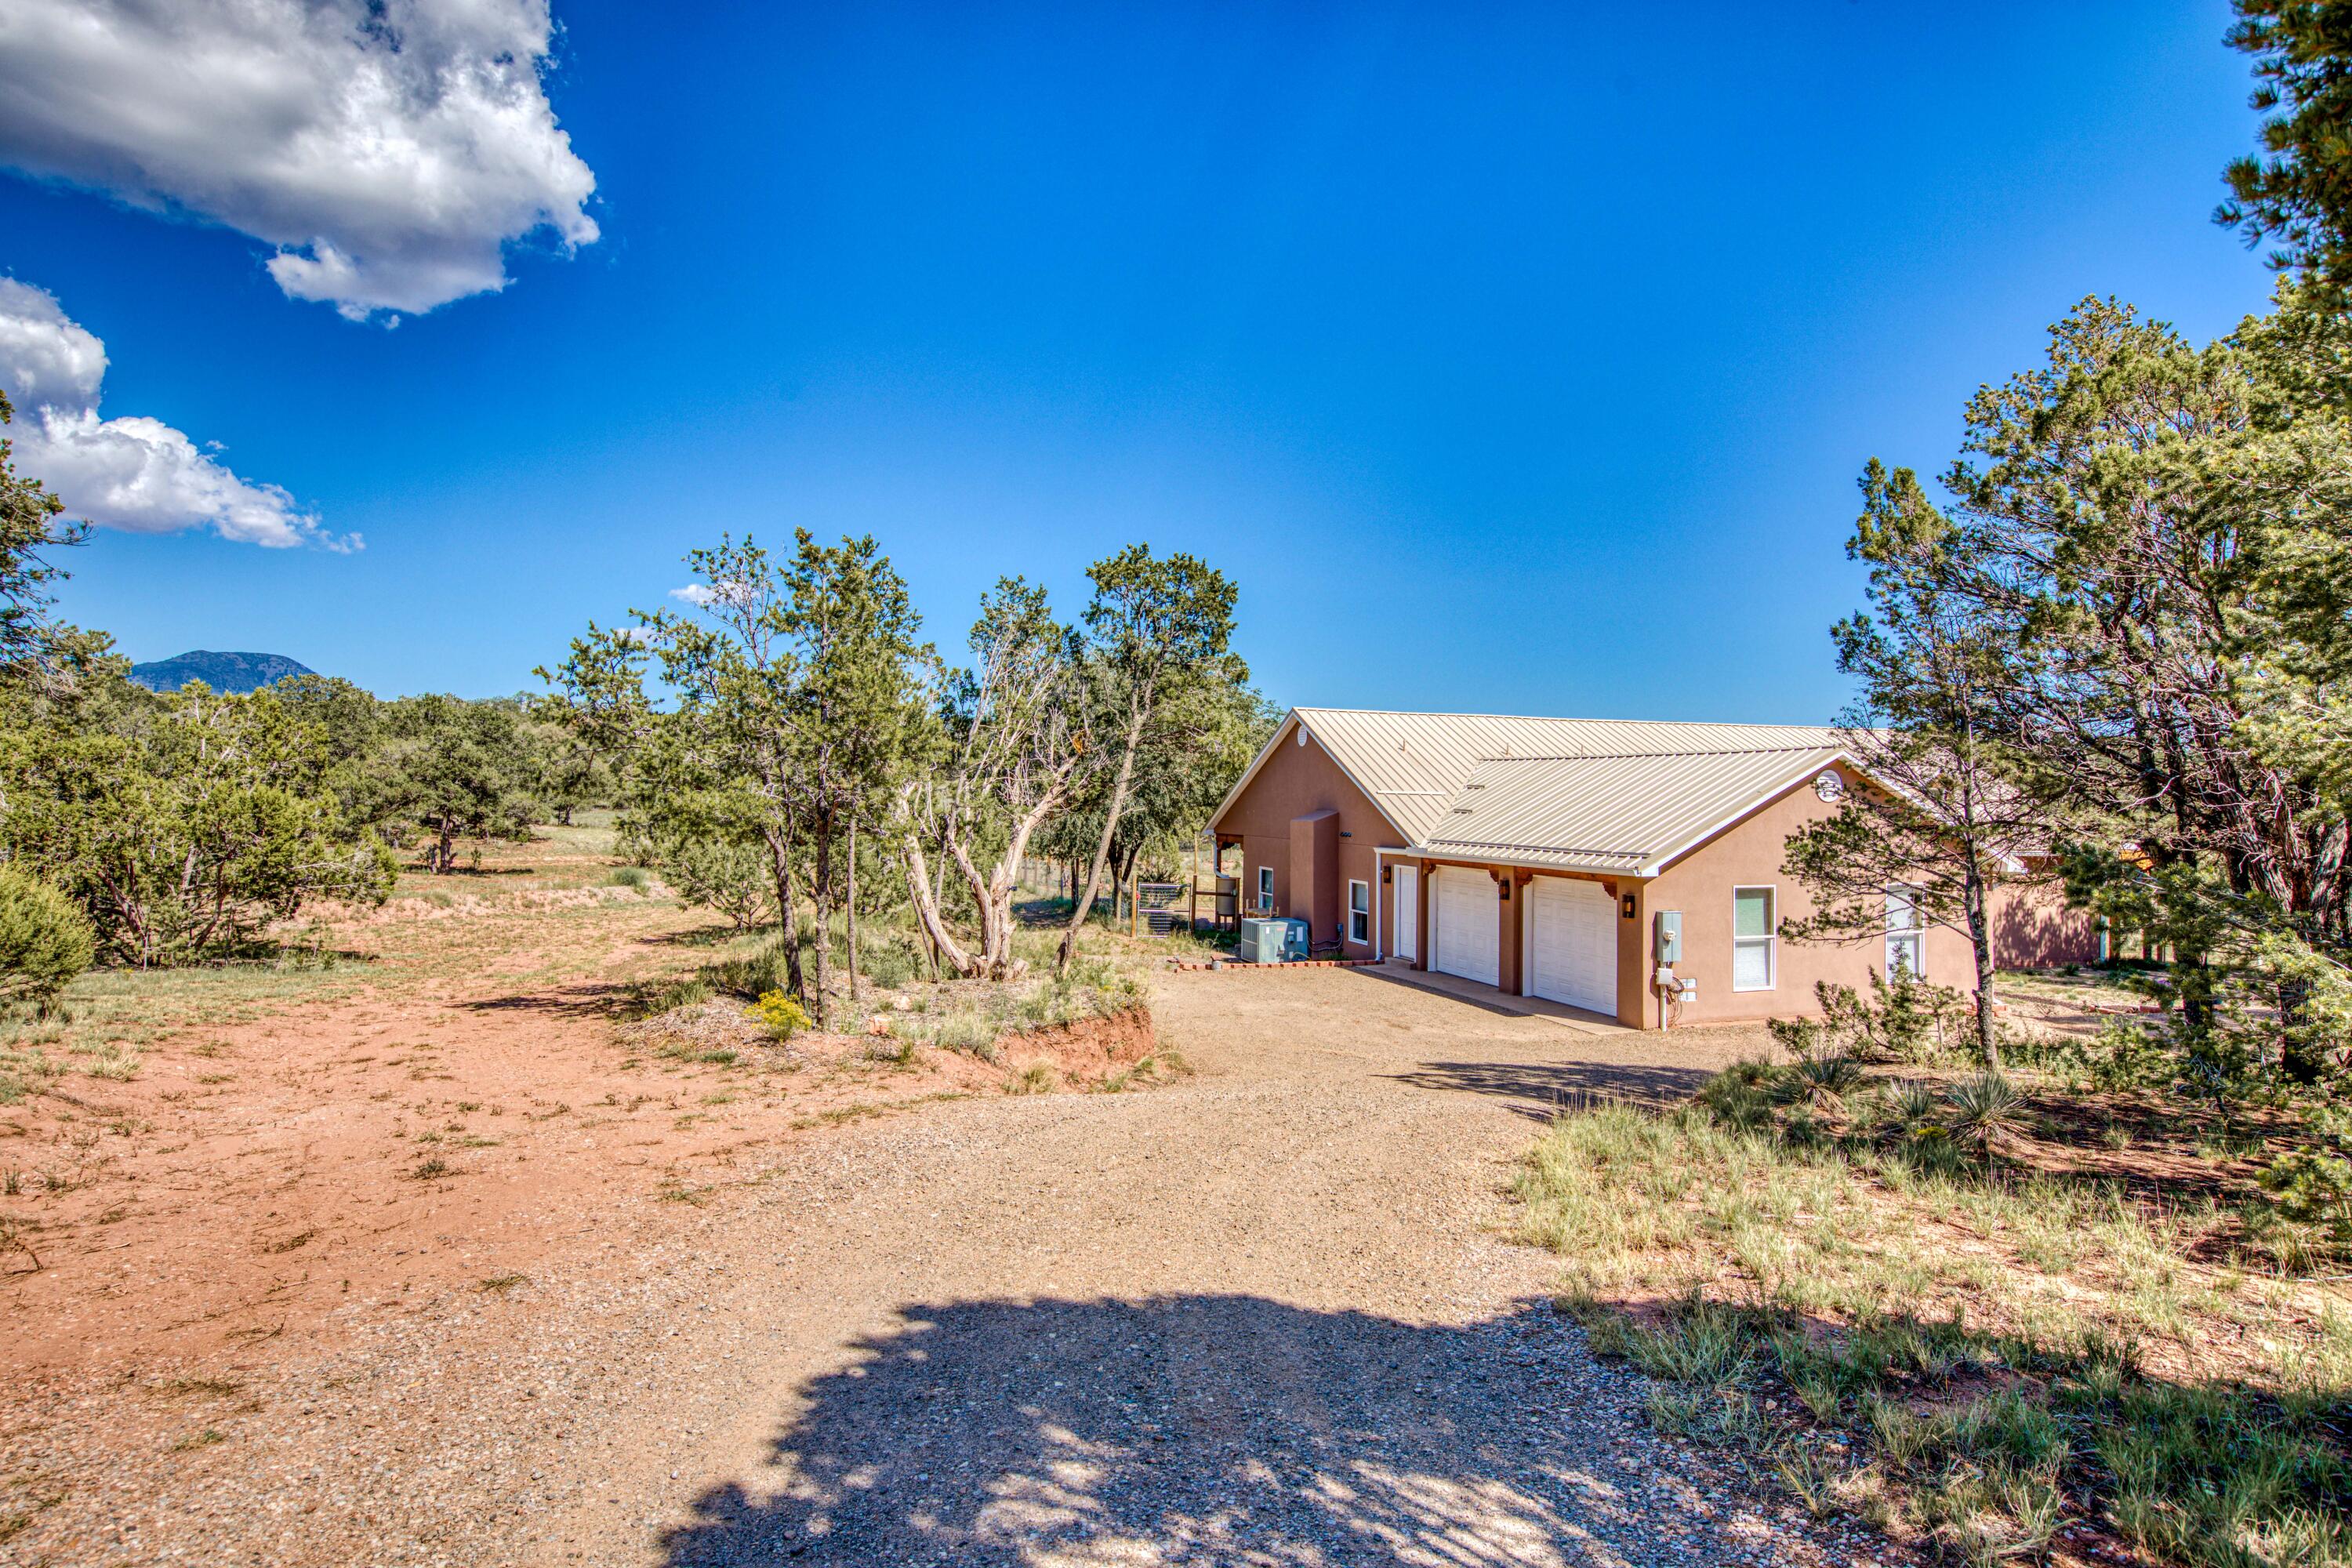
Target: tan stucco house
(1537, 854)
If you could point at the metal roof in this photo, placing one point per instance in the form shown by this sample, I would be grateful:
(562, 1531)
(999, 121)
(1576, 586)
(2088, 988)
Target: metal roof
(1631, 813)
(1414, 766)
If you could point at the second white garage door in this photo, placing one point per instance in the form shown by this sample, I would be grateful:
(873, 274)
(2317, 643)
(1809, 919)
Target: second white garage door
(1573, 945)
(1468, 925)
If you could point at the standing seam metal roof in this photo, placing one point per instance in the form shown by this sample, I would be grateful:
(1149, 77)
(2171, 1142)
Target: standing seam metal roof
(1415, 765)
(1611, 814)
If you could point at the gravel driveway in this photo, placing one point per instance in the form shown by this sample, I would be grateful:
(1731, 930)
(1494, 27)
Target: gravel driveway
(1265, 1316)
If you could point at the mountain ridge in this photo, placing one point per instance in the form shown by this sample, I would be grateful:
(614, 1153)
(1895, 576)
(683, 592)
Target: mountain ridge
(221, 671)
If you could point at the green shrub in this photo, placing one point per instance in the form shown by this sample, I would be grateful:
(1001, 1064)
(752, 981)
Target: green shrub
(2313, 1186)
(1904, 1019)
(45, 941)
(735, 880)
(2130, 1056)
(1915, 1114)
(1739, 1096)
(780, 1015)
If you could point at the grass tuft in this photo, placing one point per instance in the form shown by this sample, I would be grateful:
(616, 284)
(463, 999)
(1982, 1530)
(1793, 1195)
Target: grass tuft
(1960, 1354)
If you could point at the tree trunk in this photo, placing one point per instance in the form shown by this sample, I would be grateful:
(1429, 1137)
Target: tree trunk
(821, 893)
(1972, 898)
(920, 888)
(938, 895)
(850, 905)
(2299, 1059)
(1137, 712)
(780, 865)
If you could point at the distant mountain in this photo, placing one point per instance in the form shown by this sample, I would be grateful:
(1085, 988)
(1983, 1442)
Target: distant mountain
(221, 671)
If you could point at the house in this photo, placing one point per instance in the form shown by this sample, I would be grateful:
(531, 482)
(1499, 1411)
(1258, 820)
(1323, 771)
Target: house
(1546, 857)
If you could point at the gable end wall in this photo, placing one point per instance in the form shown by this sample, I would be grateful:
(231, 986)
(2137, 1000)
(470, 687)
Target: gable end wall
(1299, 780)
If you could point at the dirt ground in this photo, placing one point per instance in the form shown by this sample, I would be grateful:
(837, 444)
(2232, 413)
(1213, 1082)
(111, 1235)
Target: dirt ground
(664, 1312)
(444, 1111)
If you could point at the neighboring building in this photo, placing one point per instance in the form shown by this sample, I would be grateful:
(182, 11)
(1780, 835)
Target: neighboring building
(1536, 855)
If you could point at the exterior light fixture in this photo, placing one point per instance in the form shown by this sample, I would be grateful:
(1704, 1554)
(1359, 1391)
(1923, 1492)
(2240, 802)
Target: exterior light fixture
(1629, 906)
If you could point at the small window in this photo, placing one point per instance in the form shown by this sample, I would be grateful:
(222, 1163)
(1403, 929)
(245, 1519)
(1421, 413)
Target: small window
(1752, 939)
(1907, 934)
(1359, 913)
(1265, 889)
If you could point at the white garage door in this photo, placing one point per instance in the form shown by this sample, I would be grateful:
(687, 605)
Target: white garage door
(1468, 925)
(1572, 947)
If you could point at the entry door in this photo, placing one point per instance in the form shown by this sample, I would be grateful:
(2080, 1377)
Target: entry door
(1405, 888)
(1573, 945)
(1468, 940)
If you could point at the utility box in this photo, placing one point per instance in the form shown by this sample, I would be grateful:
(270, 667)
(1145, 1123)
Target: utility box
(1297, 937)
(1262, 940)
(1274, 939)
(1668, 925)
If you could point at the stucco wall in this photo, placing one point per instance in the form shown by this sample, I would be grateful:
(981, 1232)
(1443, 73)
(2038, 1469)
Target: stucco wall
(1748, 853)
(2033, 929)
(1299, 780)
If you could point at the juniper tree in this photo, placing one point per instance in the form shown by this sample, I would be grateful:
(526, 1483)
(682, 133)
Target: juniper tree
(717, 757)
(29, 526)
(185, 823)
(455, 769)
(1195, 746)
(1155, 627)
(854, 708)
(1941, 816)
(2155, 534)
(1010, 745)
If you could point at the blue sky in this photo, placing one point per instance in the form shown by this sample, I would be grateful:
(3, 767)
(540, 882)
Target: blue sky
(1521, 361)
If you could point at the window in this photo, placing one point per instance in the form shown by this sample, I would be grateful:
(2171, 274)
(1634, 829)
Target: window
(1359, 913)
(1752, 939)
(1906, 944)
(1265, 890)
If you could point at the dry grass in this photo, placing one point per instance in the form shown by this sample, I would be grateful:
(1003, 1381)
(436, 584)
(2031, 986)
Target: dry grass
(2003, 1365)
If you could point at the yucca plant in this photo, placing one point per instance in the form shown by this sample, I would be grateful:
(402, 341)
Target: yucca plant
(1916, 1112)
(1984, 1110)
(1822, 1079)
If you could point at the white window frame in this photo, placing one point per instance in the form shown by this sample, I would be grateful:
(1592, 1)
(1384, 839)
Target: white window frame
(1915, 934)
(1265, 890)
(1362, 912)
(1769, 942)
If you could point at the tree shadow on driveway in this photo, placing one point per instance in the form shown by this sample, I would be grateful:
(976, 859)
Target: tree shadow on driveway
(1541, 1090)
(1214, 1429)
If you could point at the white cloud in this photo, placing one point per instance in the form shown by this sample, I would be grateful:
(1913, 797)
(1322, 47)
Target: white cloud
(702, 595)
(390, 149)
(132, 473)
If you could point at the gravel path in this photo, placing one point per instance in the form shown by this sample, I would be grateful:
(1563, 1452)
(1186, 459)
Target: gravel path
(1263, 1317)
